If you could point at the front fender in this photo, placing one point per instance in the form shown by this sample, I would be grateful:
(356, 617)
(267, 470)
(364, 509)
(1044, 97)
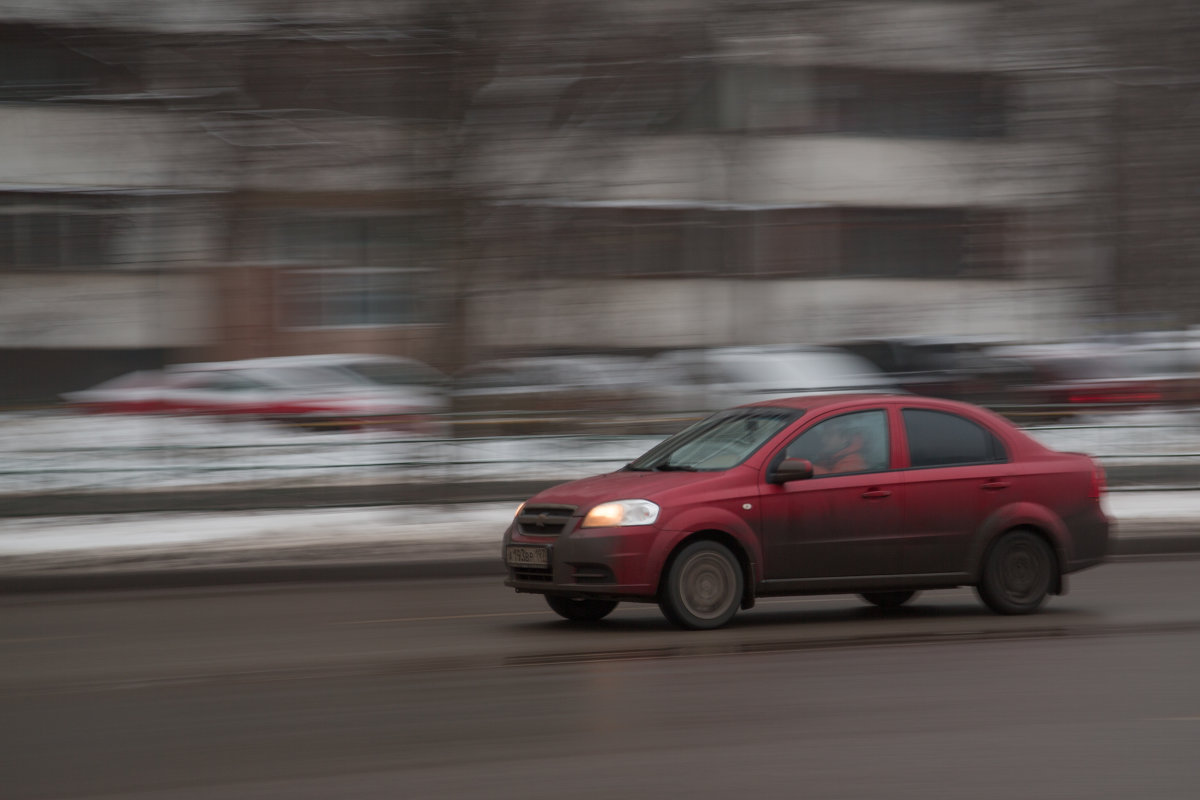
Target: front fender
(707, 518)
(1019, 515)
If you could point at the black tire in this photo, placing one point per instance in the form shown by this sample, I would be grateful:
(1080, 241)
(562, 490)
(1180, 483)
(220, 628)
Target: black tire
(702, 588)
(1017, 573)
(580, 609)
(887, 599)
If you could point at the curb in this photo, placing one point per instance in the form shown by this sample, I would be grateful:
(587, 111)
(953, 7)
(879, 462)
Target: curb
(276, 499)
(1148, 547)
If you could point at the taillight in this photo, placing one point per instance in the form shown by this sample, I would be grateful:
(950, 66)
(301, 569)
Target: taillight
(1098, 481)
(1114, 397)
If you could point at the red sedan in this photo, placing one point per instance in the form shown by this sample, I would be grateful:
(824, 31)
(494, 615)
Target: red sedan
(877, 495)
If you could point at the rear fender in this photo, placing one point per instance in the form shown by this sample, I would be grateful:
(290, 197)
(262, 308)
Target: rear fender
(1020, 515)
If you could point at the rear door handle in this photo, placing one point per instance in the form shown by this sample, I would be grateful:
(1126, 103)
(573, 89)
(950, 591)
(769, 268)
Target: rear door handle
(995, 486)
(872, 493)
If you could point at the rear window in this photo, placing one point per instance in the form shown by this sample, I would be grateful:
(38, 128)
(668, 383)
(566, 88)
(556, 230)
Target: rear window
(940, 439)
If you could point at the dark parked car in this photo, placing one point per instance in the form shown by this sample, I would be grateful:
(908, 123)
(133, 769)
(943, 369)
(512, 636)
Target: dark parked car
(973, 371)
(544, 394)
(879, 495)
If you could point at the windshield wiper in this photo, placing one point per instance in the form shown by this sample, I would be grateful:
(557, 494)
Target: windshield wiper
(675, 468)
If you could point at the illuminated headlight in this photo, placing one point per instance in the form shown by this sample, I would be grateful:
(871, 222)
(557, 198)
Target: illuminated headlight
(621, 513)
(520, 508)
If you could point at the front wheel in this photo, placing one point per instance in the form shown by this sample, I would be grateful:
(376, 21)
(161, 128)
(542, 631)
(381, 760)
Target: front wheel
(1017, 573)
(702, 588)
(580, 609)
(887, 599)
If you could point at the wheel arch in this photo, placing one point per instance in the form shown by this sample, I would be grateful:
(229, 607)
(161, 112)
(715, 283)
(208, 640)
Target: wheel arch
(729, 541)
(1057, 585)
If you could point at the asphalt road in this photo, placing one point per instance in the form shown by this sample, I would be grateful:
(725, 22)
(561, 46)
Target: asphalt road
(464, 689)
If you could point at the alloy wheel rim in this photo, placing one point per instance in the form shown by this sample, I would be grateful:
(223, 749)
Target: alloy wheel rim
(1023, 571)
(707, 584)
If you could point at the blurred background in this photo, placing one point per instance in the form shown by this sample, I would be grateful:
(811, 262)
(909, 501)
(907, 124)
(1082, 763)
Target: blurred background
(533, 216)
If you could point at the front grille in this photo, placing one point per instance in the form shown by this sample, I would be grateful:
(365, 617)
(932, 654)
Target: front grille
(544, 520)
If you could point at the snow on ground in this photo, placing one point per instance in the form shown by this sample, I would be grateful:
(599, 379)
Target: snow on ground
(55, 452)
(443, 531)
(1143, 437)
(449, 525)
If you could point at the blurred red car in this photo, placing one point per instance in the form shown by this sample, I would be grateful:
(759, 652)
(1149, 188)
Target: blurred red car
(879, 495)
(310, 391)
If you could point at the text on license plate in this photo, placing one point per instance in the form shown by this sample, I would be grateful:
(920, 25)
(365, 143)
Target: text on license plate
(528, 556)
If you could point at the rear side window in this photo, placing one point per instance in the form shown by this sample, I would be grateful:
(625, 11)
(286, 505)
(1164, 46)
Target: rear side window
(939, 439)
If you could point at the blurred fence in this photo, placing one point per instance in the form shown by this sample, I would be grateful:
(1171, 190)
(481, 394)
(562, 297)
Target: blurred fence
(171, 454)
(313, 462)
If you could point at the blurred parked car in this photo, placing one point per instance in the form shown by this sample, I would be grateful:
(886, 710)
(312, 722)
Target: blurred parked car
(810, 495)
(973, 371)
(1092, 377)
(704, 380)
(320, 391)
(545, 394)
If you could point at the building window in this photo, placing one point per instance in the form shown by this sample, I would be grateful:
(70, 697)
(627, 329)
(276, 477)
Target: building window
(903, 243)
(341, 269)
(403, 77)
(352, 240)
(767, 242)
(772, 99)
(46, 64)
(45, 232)
(908, 104)
(339, 298)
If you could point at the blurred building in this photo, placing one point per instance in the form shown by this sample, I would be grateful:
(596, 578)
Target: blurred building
(457, 179)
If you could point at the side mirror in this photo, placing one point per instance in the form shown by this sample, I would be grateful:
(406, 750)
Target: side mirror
(791, 469)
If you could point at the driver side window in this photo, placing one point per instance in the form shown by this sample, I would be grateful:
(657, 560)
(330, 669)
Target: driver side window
(855, 442)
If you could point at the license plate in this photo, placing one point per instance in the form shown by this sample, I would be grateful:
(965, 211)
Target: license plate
(527, 556)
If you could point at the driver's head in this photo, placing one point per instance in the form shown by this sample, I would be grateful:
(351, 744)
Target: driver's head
(840, 435)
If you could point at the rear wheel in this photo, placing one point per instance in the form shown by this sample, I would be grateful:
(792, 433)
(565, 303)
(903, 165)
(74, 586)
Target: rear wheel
(887, 599)
(580, 609)
(1017, 573)
(702, 588)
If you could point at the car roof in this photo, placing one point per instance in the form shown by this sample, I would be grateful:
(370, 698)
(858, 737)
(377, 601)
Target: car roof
(851, 400)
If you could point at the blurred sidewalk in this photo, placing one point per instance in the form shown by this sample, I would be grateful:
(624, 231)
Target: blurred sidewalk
(383, 542)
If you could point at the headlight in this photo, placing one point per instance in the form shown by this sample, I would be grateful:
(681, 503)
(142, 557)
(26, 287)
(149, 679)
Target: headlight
(520, 508)
(621, 513)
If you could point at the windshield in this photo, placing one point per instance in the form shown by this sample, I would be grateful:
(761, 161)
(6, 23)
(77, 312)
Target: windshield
(719, 442)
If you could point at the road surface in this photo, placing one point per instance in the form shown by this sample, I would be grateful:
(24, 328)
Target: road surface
(462, 689)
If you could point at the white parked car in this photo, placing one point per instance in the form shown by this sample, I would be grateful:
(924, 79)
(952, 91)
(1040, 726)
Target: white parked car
(342, 390)
(708, 379)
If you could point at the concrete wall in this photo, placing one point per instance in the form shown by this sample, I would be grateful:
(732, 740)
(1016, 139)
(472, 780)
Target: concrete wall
(86, 147)
(786, 170)
(664, 314)
(104, 310)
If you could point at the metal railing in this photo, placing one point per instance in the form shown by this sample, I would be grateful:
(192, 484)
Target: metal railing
(187, 453)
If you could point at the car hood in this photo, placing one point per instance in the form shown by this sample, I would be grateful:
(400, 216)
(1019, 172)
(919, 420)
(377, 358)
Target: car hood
(622, 485)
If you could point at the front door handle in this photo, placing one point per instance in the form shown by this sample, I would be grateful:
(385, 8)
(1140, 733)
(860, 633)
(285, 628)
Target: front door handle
(873, 493)
(995, 486)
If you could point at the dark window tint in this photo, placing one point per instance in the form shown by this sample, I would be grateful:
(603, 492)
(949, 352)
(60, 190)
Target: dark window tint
(936, 438)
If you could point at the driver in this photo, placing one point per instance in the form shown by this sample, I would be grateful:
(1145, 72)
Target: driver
(839, 449)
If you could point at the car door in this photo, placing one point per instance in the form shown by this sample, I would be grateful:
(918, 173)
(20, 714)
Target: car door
(958, 475)
(844, 521)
